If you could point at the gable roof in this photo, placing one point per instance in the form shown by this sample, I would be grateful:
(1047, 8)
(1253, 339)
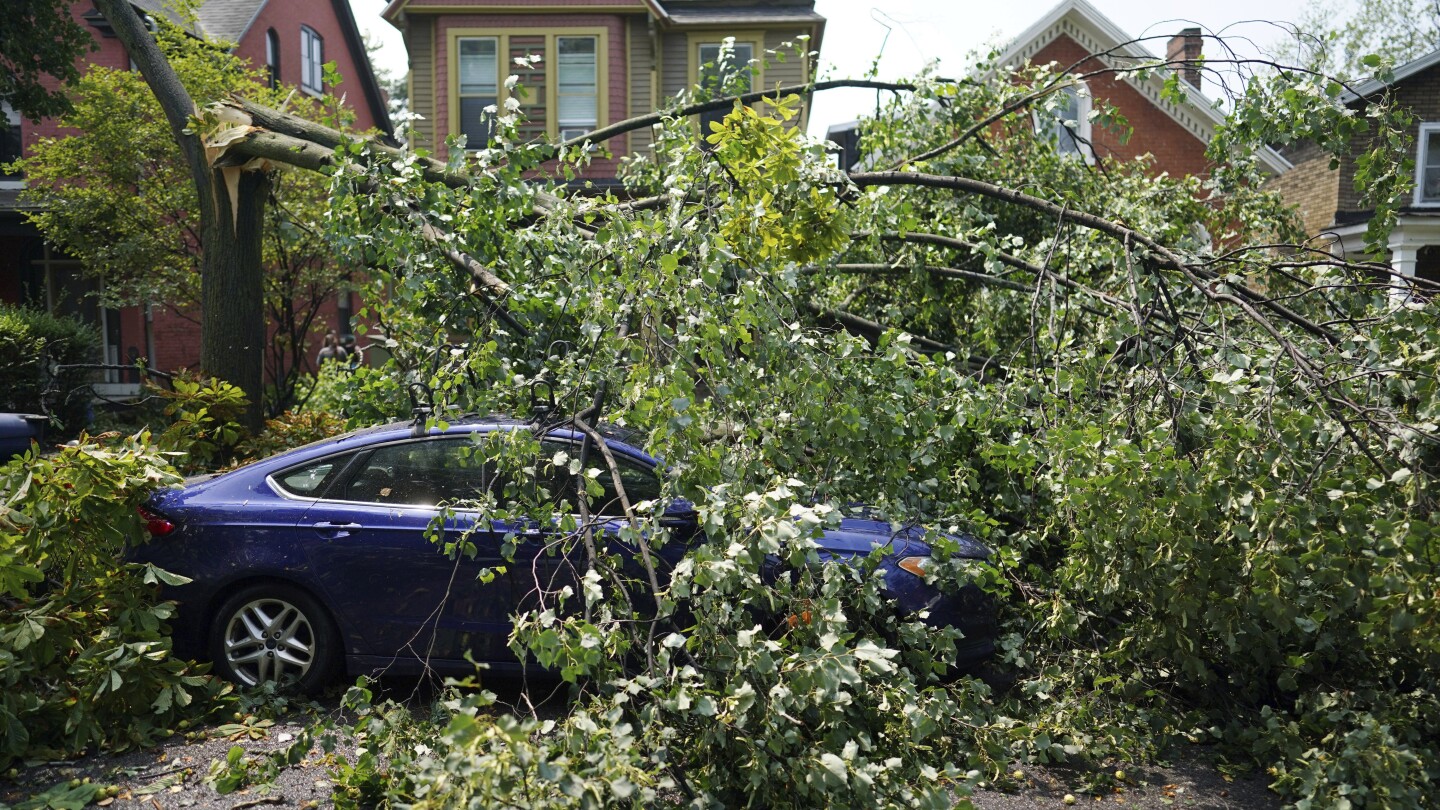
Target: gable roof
(1096, 33)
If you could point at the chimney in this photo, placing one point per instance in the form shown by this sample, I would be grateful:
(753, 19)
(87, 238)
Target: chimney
(1185, 47)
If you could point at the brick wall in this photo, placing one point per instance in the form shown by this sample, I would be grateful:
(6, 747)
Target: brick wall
(286, 17)
(1312, 186)
(1176, 150)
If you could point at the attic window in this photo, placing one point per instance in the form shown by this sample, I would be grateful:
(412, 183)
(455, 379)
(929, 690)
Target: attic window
(1068, 124)
(1427, 166)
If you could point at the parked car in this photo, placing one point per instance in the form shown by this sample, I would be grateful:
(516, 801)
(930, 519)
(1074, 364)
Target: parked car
(316, 560)
(17, 431)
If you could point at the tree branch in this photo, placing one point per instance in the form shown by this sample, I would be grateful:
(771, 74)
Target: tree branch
(1164, 257)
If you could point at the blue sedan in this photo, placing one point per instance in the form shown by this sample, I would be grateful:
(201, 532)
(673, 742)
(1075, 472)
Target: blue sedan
(320, 560)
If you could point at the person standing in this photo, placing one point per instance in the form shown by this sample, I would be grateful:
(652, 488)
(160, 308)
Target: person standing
(331, 351)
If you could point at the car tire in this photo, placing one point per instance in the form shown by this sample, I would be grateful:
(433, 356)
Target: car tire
(274, 632)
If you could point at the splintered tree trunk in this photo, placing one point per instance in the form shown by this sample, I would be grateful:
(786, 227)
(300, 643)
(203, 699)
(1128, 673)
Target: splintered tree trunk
(232, 331)
(232, 206)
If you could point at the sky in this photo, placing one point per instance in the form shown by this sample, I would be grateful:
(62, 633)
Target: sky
(908, 34)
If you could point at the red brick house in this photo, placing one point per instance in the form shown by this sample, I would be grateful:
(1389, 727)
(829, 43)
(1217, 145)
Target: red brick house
(1176, 135)
(601, 61)
(1069, 36)
(293, 38)
(1330, 204)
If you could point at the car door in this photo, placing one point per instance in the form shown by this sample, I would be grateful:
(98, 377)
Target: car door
(375, 549)
(557, 559)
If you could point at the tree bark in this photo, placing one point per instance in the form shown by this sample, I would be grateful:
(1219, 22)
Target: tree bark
(232, 207)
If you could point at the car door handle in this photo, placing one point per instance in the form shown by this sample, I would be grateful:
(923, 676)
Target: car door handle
(335, 531)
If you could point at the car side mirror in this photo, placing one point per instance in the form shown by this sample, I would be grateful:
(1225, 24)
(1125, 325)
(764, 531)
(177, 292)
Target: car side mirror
(680, 509)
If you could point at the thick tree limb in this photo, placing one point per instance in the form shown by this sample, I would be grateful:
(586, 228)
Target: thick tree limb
(300, 129)
(232, 211)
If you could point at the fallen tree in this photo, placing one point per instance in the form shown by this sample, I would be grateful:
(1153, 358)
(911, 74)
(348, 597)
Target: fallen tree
(1206, 467)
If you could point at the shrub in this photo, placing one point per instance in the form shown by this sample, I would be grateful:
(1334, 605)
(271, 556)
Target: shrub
(85, 658)
(363, 396)
(292, 429)
(30, 340)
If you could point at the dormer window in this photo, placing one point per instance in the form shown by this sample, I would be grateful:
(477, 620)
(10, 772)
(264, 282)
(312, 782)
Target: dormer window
(312, 61)
(724, 68)
(479, 90)
(1427, 166)
(577, 86)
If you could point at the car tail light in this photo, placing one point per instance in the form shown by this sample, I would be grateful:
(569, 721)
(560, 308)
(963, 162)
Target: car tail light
(157, 524)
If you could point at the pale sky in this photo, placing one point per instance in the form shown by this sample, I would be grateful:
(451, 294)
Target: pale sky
(920, 31)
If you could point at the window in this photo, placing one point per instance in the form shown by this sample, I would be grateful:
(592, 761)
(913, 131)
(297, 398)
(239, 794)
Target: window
(724, 71)
(479, 80)
(423, 473)
(558, 92)
(578, 90)
(640, 480)
(10, 147)
(307, 480)
(1068, 124)
(272, 58)
(1427, 166)
(312, 61)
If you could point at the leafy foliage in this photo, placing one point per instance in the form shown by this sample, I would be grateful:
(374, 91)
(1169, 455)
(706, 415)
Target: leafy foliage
(39, 44)
(1205, 470)
(32, 342)
(1350, 40)
(86, 658)
(117, 196)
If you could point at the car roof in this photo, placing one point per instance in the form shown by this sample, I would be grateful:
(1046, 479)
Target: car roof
(626, 439)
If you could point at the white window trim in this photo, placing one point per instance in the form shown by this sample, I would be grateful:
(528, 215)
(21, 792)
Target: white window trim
(1420, 143)
(309, 71)
(14, 118)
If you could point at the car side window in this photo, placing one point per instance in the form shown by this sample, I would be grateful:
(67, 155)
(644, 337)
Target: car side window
(423, 473)
(640, 481)
(309, 480)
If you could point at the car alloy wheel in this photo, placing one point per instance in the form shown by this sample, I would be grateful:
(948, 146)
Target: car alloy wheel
(273, 633)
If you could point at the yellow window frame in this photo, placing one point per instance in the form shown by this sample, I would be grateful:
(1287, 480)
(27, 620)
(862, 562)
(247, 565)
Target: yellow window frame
(552, 71)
